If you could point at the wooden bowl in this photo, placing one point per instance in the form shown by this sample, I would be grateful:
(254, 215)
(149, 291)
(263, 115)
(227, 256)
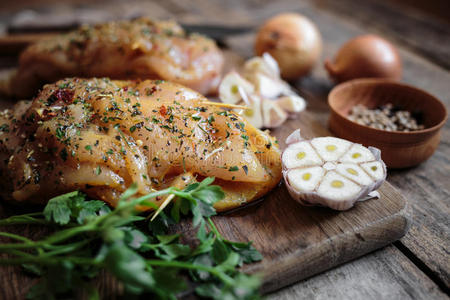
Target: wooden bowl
(398, 149)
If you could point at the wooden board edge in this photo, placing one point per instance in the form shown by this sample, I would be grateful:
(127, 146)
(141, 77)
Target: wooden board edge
(316, 259)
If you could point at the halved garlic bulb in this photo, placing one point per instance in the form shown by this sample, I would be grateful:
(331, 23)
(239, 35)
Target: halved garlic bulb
(330, 171)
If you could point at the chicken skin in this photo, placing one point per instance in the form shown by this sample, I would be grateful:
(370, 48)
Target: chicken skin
(139, 49)
(99, 136)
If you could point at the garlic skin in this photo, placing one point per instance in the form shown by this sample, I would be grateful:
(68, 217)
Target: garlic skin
(273, 115)
(332, 172)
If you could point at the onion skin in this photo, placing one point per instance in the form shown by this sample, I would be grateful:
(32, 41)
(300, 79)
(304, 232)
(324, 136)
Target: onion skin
(365, 56)
(293, 41)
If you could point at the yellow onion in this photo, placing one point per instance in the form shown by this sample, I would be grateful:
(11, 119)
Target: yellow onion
(365, 56)
(293, 40)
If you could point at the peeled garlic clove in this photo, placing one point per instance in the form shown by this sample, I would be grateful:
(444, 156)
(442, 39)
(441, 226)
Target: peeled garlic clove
(273, 115)
(331, 172)
(337, 188)
(264, 64)
(305, 179)
(301, 154)
(375, 169)
(271, 64)
(253, 114)
(229, 88)
(330, 148)
(355, 173)
(269, 87)
(357, 154)
(292, 104)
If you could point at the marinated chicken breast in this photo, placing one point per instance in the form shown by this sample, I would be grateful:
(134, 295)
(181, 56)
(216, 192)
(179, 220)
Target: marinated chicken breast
(139, 49)
(99, 136)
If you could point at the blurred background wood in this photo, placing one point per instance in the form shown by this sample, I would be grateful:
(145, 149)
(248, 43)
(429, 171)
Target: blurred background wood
(416, 267)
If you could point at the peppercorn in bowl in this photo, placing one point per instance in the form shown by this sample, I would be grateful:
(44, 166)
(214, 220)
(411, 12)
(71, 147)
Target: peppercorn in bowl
(404, 122)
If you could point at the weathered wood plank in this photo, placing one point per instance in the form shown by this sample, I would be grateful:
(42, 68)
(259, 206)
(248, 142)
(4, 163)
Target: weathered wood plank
(408, 27)
(384, 274)
(425, 185)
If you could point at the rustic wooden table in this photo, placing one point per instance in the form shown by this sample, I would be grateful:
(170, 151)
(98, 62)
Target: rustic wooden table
(417, 266)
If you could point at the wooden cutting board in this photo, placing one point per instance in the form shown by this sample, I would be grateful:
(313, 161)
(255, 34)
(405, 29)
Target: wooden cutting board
(296, 241)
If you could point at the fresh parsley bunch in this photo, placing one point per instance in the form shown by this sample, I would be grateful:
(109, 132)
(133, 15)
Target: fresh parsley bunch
(142, 255)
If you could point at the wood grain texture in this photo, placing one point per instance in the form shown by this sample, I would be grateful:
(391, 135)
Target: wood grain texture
(297, 241)
(408, 27)
(426, 186)
(385, 274)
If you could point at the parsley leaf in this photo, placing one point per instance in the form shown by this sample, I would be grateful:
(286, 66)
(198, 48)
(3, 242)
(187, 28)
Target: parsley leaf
(145, 258)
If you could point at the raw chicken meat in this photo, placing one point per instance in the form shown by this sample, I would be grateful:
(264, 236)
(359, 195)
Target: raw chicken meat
(139, 49)
(99, 136)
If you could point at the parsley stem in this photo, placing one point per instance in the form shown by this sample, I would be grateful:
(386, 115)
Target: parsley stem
(67, 248)
(189, 266)
(49, 260)
(214, 229)
(55, 238)
(24, 219)
(19, 253)
(16, 237)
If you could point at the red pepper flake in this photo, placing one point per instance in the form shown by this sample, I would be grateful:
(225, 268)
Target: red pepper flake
(163, 110)
(125, 89)
(64, 95)
(47, 115)
(94, 117)
(150, 91)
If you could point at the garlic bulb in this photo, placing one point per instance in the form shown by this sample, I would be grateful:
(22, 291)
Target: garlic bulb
(331, 172)
(269, 99)
(264, 74)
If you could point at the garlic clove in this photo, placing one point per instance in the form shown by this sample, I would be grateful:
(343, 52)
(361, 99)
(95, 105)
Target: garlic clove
(375, 169)
(269, 87)
(357, 154)
(271, 64)
(299, 155)
(330, 148)
(273, 115)
(229, 88)
(354, 172)
(264, 64)
(254, 114)
(305, 179)
(338, 188)
(292, 103)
